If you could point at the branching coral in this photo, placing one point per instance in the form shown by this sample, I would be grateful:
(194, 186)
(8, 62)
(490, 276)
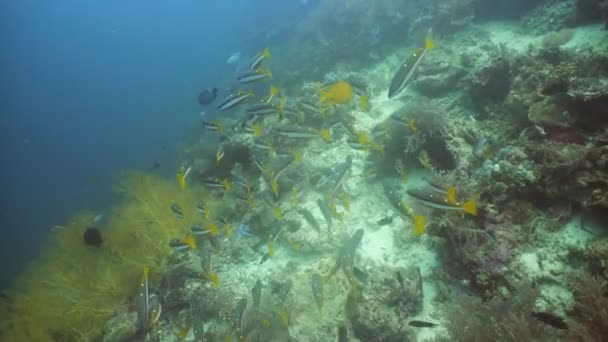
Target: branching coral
(74, 288)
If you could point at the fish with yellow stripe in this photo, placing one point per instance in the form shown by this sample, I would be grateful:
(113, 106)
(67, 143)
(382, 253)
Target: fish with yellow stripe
(407, 71)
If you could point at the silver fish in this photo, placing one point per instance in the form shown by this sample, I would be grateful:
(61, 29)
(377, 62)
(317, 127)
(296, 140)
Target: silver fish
(407, 70)
(234, 100)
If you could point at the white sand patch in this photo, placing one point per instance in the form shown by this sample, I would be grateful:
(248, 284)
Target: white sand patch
(588, 37)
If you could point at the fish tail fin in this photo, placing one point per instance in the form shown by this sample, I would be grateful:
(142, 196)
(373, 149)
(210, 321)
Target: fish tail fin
(266, 53)
(470, 207)
(191, 241)
(214, 279)
(428, 43)
(419, 225)
(181, 180)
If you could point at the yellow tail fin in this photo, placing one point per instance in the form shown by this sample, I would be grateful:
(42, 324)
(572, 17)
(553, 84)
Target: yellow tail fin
(419, 225)
(428, 43)
(267, 53)
(470, 207)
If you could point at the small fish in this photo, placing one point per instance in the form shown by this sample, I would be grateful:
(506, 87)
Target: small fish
(197, 230)
(385, 221)
(255, 76)
(256, 295)
(326, 211)
(255, 64)
(551, 319)
(177, 210)
(419, 225)
(183, 245)
(218, 184)
(233, 58)
(213, 126)
(438, 200)
(219, 154)
(339, 92)
(310, 108)
(263, 109)
(234, 100)
(422, 324)
(308, 216)
(317, 290)
(283, 291)
(407, 70)
(264, 258)
(400, 280)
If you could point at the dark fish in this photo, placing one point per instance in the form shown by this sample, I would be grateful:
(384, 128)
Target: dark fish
(346, 255)
(207, 96)
(551, 319)
(264, 258)
(237, 314)
(422, 324)
(385, 221)
(214, 126)
(177, 210)
(155, 165)
(324, 207)
(92, 237)
(338, 175)
(317, 290)
(179, 245)
(310, 219)
(407, 70)
(400, 280)
(283, 291)
(256, 295)
(198, 230)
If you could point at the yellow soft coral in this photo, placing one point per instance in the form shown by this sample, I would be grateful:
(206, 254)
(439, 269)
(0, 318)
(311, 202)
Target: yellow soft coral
(72, 289)
(339, 92)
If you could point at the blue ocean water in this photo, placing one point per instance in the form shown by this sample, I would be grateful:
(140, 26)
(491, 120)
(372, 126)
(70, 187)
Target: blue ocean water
(91, 88)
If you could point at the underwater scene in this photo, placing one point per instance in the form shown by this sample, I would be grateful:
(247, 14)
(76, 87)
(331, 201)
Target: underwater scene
(306, 170)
